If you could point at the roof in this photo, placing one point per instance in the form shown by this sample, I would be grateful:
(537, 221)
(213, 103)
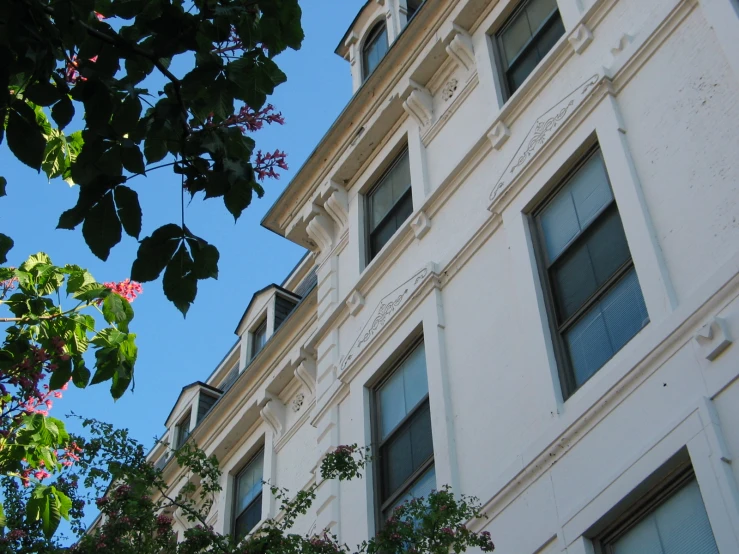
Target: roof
(349, 30)
(186, 388)
(259, 293)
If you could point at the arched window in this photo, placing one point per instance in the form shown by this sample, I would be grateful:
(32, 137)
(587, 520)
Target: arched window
(374, 49)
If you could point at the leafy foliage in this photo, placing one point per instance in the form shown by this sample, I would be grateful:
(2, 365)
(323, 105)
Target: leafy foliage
(138, 508)
(97, 58)
(45, 347)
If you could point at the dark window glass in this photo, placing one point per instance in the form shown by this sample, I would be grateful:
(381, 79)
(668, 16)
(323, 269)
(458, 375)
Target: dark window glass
(374, 49)
(389, 204)
(283, 308)
(403, 428)
(412, 7)
(596, 302)
(525, 38)
(248, 497)
(671, 521)
(206, 403)
(182, 431)
(259, 338)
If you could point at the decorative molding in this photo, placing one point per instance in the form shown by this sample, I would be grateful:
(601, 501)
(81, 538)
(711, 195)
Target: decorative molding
(272, 411)
(337, 204)
(623, 41)
(320, 229)
(461, 50)
(355, 302)
(297, 402)
(305, 372)
(499, 135)
(713, 338)
(419, 104)
(581, 38)
(386, 309)
(543, 129)
(449, 89)
(421, 225)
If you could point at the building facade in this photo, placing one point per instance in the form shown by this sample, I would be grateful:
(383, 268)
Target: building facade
(522, 281)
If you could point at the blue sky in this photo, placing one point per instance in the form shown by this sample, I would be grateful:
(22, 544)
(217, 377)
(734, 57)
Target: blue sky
(174, 351)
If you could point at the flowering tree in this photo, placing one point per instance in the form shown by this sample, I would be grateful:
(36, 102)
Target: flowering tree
(99, 58)
(136, 509)
(43, 351)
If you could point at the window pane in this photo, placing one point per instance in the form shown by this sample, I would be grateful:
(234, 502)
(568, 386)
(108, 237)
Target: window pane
(392, 403)
(375, 49)
(420, 489)
(248, 519)
(400, 176)
(539, 11)
(588, 264)
(249, 483)
(604, 329)
(678, 526)
(397, 461)
(414, 378)
(406, 451)
(422, 447)
(549, 36)
(590, 190)
(516, 34)
(403, 390)
(579, 202)
(381, 202)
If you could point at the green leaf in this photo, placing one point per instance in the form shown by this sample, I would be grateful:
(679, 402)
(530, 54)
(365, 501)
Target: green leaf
(63, 112)
(55, 156)
(238, 197)
(78, 279)
(25, 137)
(3, 520)
(205, 261)
(65, 503)
(127, 115)
(155, 148)
(6, 243)
(61, 375)
(132, 159)
(179, 283)
(129, 210)
(102, 228)
(42, 93)
(155, 252)
(80, 375)
(117, 309)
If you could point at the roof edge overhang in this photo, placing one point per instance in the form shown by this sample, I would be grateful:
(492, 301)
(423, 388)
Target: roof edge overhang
(256, 295)
(348, 125)
(342, 49)
(186, 388)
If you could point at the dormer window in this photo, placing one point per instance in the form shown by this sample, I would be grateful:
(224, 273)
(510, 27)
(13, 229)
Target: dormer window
(182, 431)
(259, 338)
(374, 49)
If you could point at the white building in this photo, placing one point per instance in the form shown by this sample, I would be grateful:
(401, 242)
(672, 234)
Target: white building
(524, 228)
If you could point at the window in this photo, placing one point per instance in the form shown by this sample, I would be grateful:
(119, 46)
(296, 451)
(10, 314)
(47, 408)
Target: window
(374, 49)
(412, 6)
(182, 431)
(402, 423)
(283, 308)
(258, 338)
(248, 498)
(595, 302)
(672, 522)
(525, 38)
(205, 403)
(389, 204)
